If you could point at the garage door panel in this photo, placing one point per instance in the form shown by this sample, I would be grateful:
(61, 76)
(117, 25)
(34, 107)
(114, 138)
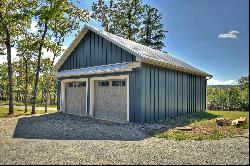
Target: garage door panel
(76, 98)
(110, 101)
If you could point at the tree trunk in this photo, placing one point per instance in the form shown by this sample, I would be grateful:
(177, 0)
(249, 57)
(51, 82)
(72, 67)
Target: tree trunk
(38, 71)
(10, 85)
(26, 86)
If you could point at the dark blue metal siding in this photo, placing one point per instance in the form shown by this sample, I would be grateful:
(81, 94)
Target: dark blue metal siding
(166, 93)
(94, 50)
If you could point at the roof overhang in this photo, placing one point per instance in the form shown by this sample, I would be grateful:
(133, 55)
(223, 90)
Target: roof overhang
(112, 68)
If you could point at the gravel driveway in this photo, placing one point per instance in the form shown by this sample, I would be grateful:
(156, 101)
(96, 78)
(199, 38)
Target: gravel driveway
(66, 139)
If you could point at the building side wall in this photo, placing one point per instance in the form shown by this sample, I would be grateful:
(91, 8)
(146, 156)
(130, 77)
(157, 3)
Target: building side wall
(167, 93)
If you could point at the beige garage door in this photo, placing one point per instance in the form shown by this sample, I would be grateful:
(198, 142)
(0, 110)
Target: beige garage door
(76, 98)
(111, 100)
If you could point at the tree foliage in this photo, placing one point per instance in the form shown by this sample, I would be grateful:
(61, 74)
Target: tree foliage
(232, 98)
(55, 20)
(132, 20)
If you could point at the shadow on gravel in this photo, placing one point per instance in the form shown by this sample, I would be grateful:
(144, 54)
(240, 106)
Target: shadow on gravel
(60, 126)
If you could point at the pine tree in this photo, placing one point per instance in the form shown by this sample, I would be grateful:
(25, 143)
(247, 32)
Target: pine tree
(152, 32)
(126, 19)
(103, 13)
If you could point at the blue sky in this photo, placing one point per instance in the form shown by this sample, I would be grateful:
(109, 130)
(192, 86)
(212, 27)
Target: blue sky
(194, 28)
(212, 35)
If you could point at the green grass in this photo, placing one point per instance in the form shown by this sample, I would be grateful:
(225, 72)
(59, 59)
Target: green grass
(204, 126)
(20, 112)
(21, 104)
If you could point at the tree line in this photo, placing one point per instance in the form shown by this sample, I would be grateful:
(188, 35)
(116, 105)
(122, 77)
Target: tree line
(29, 79)
(233, 98)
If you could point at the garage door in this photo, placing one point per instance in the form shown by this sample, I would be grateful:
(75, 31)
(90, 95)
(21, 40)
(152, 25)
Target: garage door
(75, 95)
(111, 100)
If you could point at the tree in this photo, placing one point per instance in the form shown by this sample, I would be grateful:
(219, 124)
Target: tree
(103, 13)
(152, 33)
(132, 20)
(126, 19)
(48, 12)
(26, 55)
(15, 18)
(121, 18)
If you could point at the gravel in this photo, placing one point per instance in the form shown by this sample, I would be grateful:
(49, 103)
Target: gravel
(67, 139)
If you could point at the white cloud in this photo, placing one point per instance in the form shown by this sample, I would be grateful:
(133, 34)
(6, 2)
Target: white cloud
(233, 34)
(220, 82)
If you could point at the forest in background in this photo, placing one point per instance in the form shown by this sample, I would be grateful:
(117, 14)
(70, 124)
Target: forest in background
(232, 98)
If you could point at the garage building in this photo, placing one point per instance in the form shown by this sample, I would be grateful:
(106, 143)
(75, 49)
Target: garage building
(108, 77)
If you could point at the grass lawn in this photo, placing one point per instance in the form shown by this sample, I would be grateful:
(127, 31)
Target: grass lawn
(20, 112)
(204, 126)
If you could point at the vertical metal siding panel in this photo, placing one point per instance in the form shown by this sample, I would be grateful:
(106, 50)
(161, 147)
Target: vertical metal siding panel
(199, 82)
(194, 87)
(100, 50)
(171, 94)
(143, 93)
(132, 96)
(87, 49)
(156, 117)
(191, 94)
(81, 56)
(161, 94)
(104, 51)
(179, 93)
(72, 60)
(138, 94)
(114, 55)
(167, 94)
(203, 93)
(147, 95)
(152, 93)
(123, 55)
(96, 47)
(175, 94)
(186, 94)
(92, 56)
(109, 60)
(197, 94)
(119, 54)
(75, 58)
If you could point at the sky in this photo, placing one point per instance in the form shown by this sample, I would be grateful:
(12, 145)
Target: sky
(212, 35)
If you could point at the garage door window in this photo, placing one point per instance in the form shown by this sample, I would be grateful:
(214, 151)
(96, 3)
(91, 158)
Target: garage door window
(82, 84)
(103, 83)
(118, 83)
(72, 85)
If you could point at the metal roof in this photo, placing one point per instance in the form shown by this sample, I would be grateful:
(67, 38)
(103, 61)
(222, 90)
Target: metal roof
(143, 53)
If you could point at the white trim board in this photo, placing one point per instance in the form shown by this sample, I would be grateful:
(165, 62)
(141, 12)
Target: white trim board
(92, 91)
(62, 94)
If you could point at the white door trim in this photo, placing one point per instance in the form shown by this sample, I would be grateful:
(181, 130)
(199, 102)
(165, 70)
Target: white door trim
(92, 90)
(62, 94)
